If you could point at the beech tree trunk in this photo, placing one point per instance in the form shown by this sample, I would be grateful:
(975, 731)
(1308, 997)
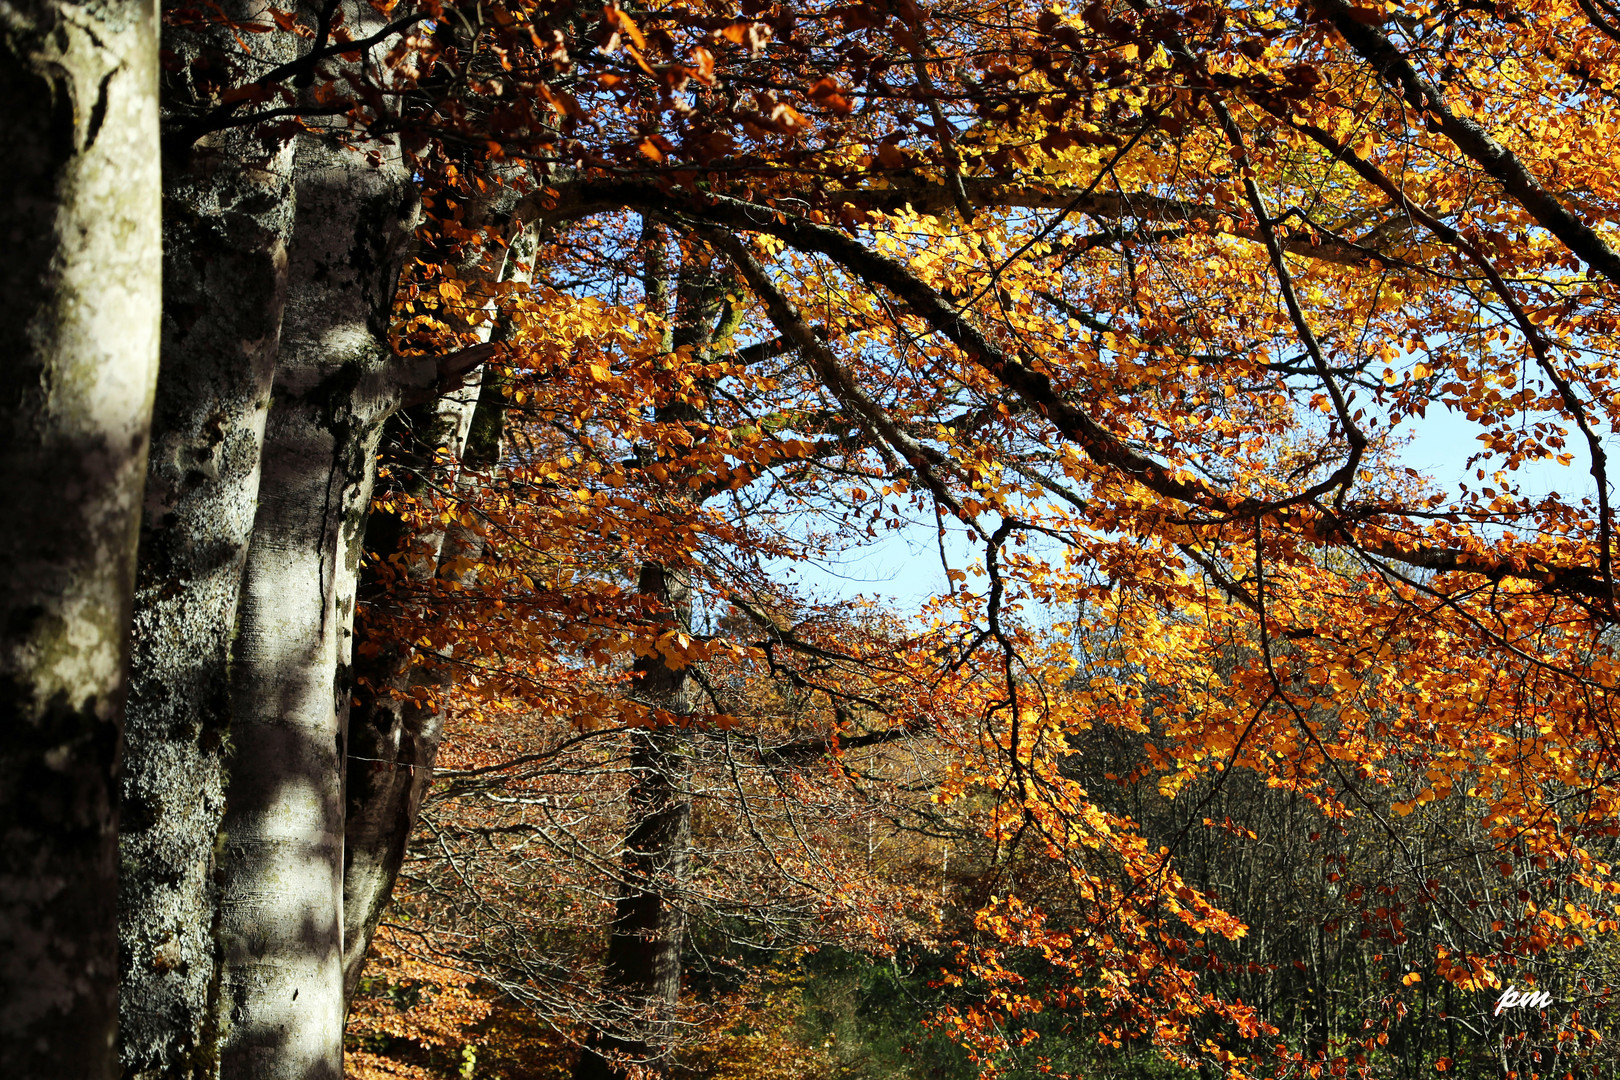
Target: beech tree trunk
(394, 736)
(79, 228)
(228, 210)
(278, 374)
(282, 857)
(641, 978)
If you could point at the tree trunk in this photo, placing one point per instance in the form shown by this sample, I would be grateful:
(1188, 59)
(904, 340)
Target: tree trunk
(79, 225)
(393, 740)
(394, 736)
(227, 218)
(641, 979)
(336, 380)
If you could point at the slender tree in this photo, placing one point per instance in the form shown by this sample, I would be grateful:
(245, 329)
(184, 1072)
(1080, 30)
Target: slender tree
(397, 717)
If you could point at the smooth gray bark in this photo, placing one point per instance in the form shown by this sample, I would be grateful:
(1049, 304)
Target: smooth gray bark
(228, 209)
(282, 857)
(79, 221)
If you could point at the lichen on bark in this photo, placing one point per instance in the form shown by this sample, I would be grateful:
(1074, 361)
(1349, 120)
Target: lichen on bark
(79, 227)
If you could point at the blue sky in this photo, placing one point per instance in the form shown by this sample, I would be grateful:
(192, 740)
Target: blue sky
(904, 566)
